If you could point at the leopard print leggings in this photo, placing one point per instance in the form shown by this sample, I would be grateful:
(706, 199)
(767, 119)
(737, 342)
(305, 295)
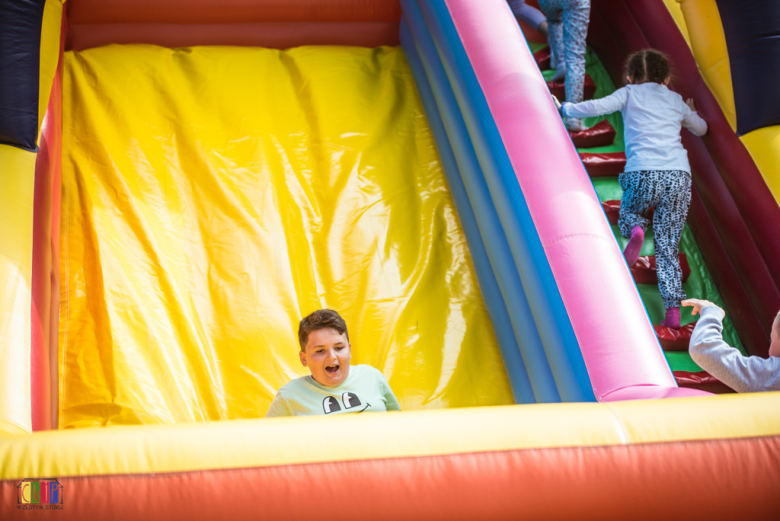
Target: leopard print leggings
(670, 192)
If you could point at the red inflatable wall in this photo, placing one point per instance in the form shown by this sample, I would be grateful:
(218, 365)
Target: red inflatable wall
(45, 262)
(265, 23)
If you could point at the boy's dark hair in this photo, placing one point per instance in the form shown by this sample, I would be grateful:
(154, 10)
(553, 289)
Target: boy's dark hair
(321, 319)
(648, 66)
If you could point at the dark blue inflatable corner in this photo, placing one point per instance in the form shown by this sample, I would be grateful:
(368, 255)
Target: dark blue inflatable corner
(753, 40)
(20, 45)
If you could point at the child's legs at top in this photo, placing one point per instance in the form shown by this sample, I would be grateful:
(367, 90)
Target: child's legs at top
(576, 17)
(641, 191)
(668, 223)
(554, 14)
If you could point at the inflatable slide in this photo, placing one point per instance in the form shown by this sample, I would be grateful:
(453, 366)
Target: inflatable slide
(181, 182)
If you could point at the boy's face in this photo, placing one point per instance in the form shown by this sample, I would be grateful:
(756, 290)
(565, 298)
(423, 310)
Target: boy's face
(327, 356)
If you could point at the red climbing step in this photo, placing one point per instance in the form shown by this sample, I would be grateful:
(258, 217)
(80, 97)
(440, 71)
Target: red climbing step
(604, 165)
(542, 57)
(644, 271)
(701, 380)
(599, 135)
(674, 339)
(558, 88)
(612, 209)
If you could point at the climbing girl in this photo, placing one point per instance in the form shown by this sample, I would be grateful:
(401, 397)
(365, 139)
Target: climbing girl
(657, 172)
(568, 26)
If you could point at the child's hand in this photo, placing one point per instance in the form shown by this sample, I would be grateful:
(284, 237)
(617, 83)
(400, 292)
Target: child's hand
(557, 103)
(698, 305)
(690, 104)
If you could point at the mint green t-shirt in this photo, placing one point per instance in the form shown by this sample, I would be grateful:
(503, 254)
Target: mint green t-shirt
(365, 389)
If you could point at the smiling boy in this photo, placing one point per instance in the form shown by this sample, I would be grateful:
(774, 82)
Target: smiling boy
(333, 387)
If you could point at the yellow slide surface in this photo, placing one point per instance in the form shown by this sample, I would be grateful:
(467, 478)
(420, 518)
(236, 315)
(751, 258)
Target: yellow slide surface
(215, 195)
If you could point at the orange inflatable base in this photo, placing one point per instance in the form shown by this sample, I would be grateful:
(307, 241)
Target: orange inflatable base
(618, 482)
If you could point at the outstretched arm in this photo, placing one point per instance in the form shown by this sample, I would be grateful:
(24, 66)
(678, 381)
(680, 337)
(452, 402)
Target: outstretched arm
(596, 107)
(742, 373)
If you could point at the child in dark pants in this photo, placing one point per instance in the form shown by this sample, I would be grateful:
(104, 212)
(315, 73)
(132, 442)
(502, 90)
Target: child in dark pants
(657, 171)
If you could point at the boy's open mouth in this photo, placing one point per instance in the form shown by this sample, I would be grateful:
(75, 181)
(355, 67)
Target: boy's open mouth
(332, 369)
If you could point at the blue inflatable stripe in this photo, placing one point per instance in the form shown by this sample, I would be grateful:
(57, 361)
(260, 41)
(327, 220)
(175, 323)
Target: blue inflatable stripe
(495, 243)
(518, 377)
(516, 369)
(552, 321)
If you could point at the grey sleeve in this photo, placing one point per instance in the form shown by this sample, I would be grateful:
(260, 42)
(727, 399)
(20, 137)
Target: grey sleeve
(278, 407)
(597, 107)
(744, 374)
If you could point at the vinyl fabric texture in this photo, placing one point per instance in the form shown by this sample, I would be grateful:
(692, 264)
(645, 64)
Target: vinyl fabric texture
(215, 195)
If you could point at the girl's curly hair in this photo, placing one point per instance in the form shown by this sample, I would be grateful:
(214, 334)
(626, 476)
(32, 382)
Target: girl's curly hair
(647, 66)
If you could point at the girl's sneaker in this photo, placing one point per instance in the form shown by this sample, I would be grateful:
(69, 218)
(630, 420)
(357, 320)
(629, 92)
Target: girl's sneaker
(634, 246)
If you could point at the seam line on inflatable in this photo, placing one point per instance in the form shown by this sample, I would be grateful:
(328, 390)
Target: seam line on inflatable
(576, 235)
(623, 430)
